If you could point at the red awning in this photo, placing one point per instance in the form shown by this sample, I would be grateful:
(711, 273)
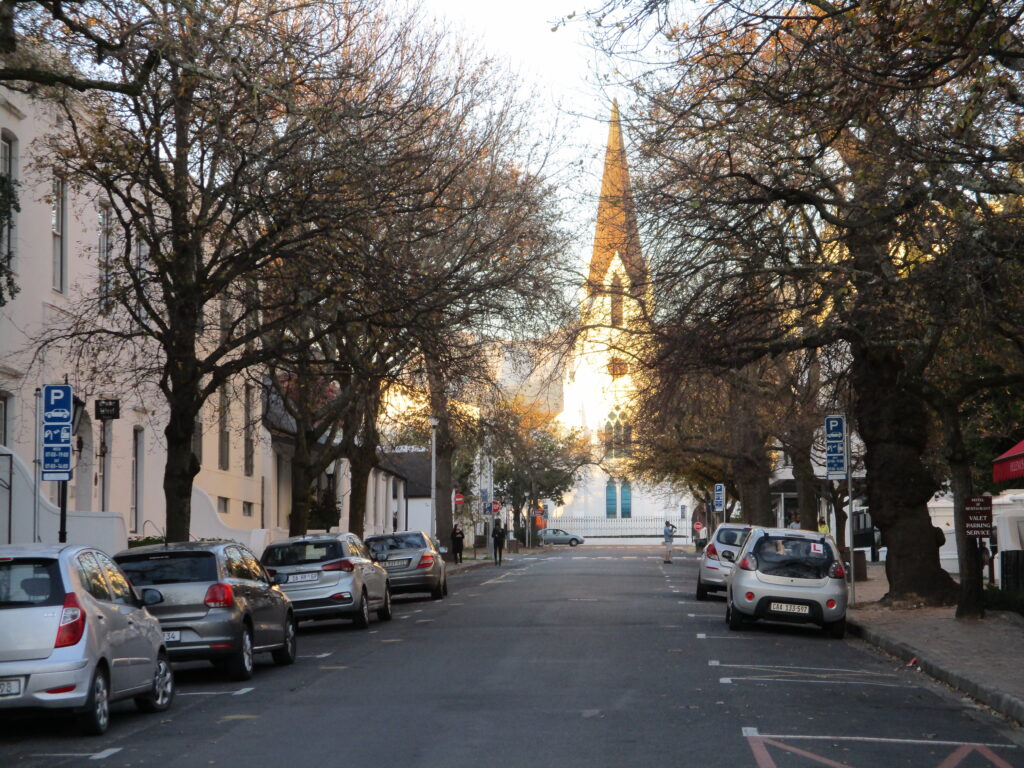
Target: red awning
(1010, 465)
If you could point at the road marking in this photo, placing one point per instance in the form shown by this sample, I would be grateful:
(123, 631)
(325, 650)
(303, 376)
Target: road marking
(241, 691)
(316, 655)
(90, 755)
(105, 753)
(456, 603)
(201, 693)
(808, 669)
(728, 680)
(226, 718)
(392, 640)
(423, 621)
(338, 666)
(713, 663)
(753, 732)
(702, 636)
(591, 712)
(704, 615)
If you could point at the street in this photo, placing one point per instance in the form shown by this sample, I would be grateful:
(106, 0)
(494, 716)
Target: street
(594, 656)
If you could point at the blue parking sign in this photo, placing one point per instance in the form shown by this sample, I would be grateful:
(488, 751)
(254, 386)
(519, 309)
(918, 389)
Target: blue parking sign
(58, 404)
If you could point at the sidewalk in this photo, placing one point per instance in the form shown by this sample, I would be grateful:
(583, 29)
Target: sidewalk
(979, 658)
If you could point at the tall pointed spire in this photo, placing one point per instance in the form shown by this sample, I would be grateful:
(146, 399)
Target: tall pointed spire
(616, 230)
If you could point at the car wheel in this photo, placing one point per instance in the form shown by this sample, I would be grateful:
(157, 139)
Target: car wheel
(362, 619)
(96, 716)
(239, 666)
(702, 591)
(573, 542)
(385, 614)
(160, 697)
(288, 652)
(446, 586)
(733, 617)
(437, 592)
(836, 629)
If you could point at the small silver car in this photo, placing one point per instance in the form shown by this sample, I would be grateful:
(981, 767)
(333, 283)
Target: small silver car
(219, 604)
(784, 574)
(330, 576)
(75, 635)
(717, 558)
(558, 536)
(413, 561)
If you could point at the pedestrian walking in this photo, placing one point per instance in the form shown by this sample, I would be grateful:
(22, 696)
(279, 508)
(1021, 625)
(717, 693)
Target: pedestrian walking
(499, 541)
(458, 540)
(670, 533)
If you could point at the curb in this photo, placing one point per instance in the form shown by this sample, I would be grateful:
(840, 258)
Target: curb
(1003, 703)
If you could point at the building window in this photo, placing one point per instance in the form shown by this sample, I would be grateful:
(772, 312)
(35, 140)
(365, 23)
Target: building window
(615, 300)
(246, 509)
(105, 259)
(138, 444)
(626, 499)
(223, 436)
(7, 172)
(611, 502)
(618, 435)
(223, 505)
(249, 448)
(197, 439)
(57, 224)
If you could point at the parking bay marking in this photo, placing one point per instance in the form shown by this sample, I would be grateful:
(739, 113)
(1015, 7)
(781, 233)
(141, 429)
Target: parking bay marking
(703, 636)
(810, 675)
(315, 655)
(90, 755)
(239, 692)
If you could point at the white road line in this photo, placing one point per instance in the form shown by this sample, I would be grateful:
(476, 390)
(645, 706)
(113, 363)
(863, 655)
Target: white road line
(423, 621)
(315, 655)
(813, 682)
(242, 691)
(809, 669)
(713, 663)
(105, 753)
(704, 615)
(200, 693)
(702, 636)
(748, 732)
(90, 755)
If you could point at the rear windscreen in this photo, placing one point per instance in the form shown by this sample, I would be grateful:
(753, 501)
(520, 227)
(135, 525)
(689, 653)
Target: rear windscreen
(733, 537)
(397, 541)
(301, 553)
(29, 582)
(794, 558)
(169, 567)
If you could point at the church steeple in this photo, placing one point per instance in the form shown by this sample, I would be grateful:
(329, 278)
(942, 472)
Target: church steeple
(616, 230)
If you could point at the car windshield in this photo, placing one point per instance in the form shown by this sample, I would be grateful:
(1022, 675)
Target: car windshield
(169, 567)
(732, 537)
(26, 582)
(302, 553)
(796, 558)
(397, 541)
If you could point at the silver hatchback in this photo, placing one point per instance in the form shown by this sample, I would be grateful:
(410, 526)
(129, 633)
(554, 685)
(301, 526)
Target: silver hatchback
(788, 575)
(330, 576)
(413, 562)
(75, 635)
(717, 558)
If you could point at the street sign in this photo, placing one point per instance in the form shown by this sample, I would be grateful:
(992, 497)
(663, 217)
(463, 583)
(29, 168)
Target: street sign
(978, 516)
(108, 409)
(698, 526)
(459, 498)
(58, 404)
(495, 506)
(58, 407)
(719, 498)
(835, 447)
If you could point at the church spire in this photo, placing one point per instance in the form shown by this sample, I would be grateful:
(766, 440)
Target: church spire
(616, 230)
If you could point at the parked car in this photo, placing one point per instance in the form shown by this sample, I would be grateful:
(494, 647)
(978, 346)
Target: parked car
(330, 576)
(784, 574)
(413, 562)
(75, 635)
(717, 558)
(558, 536)
(219, 603)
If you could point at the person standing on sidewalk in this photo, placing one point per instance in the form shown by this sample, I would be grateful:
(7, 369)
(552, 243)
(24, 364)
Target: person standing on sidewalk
(499, 541)
(458, 540)
(670, 534)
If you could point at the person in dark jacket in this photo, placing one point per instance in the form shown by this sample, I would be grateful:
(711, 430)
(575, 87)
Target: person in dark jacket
(499, 541)
(458, 540)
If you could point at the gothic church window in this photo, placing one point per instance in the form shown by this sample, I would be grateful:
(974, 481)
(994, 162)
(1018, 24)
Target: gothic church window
(617, 435)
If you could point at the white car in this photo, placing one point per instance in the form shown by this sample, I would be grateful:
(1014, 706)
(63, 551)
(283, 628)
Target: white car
(716, 559)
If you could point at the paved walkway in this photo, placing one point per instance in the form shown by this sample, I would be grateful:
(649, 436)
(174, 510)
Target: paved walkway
(979, 657)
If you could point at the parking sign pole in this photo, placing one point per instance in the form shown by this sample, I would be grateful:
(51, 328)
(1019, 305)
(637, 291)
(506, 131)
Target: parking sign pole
(35, 471)
(849, 518)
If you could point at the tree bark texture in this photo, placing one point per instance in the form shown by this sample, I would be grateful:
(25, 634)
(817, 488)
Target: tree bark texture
(180, 470)
(362, 460)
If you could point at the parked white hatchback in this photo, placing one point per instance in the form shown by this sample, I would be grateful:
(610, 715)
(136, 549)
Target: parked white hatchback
(75, 635)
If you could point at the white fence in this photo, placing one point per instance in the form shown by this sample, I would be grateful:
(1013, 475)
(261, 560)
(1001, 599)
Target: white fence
(601, 527)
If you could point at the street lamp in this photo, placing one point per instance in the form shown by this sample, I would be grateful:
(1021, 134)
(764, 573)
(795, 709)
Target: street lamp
(432, 420)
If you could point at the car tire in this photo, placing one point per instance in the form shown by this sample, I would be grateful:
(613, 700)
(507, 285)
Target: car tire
(385, 613)
(437, 593)
(836, 629)
(573, 542)
(702, 591)
(95, 718)
(446, 586)
(239, 665)
(734, 618)
(288, 652)
(362, 619)
(160, 697)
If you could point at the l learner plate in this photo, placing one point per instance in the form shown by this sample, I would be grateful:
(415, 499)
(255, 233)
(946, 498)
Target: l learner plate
(789, 608)
(296, 578)
(172, 636)
(10, 686)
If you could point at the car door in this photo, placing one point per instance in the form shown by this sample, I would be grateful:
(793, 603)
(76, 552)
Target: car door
(561, 537)
(374, 576)
(270, 604)
(111, 626)
(140, 645)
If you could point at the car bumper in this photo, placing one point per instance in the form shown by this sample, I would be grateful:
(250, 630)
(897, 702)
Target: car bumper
(413, 582)
(37, 678)
(761, 607)
(325, 608)
(202, 640)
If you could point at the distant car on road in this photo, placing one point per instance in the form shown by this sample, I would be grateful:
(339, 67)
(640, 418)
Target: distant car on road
(558, 536)
(330, 576)
(75, 635)
(413, 561)
(717, 558)
(219, 603)
(784, 574)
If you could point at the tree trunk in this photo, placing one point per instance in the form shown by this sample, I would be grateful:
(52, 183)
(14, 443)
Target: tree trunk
(180, 469)
(298, 520)
(971, 601)
(362, 460)
(893, 424)
(806, 486)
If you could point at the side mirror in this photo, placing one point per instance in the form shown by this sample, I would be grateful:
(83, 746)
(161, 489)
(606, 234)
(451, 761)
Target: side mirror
(278, 578)
(152, 596)
(730, 556)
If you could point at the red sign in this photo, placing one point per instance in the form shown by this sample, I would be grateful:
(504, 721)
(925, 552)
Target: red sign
(495, 506)
(459, 498)
(978, 516)
(698, 525)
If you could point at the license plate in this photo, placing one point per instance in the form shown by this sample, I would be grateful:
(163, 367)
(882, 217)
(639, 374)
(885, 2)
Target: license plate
(10, 686)
(392, 564)
(298, 578)
(790, 608)
(172, 636)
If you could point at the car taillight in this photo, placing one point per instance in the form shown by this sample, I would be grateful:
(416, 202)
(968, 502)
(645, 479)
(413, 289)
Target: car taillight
(711, 552)
(749, 596)
(426, 561)
(748, 563)
(72, 622)
(837, 571)
(340, 565)
(220, 596)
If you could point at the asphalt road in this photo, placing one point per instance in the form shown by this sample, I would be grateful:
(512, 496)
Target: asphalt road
(595, 656)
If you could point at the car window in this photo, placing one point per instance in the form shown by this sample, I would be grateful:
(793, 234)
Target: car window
(399, 541)
(251, 565)
(120, 589)
(91, 576)
(796, 558)
(732, 537)
(30, 581)
(301, 553)
(169, 567)
(235, 564)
